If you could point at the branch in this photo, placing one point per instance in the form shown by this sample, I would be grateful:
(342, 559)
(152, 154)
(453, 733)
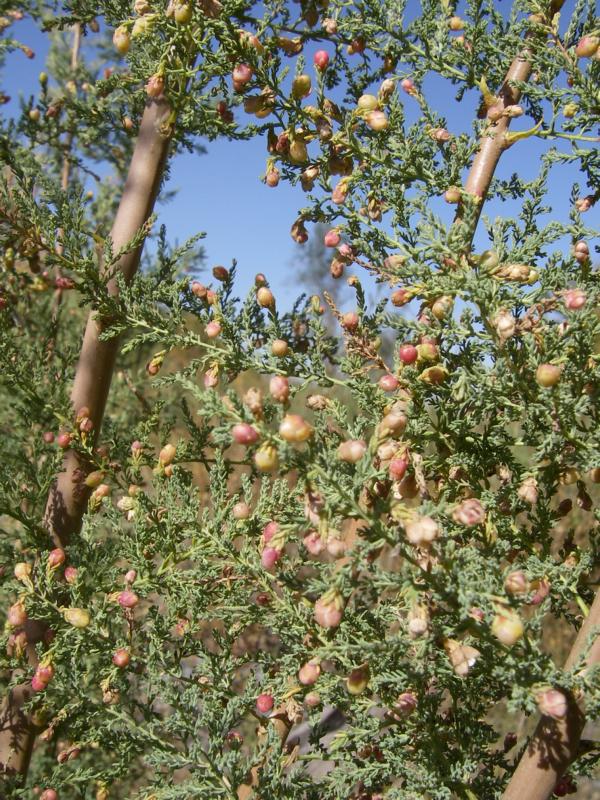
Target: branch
(493, 142)
(554, 744)
(67, 500)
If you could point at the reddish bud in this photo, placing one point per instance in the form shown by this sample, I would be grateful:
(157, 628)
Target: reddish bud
(63, 440)
(352, 451)
(575, 299)
(587, 46)
(328, 612)
(401, 297)
(408, 353)
(350, 321)
(516, 583)
(313, 543)
(308, 673)
(397, 468)
(241, 75)
(388, 383)
(127, 599)
(332, 238)
(56, 557)
(70, 574)
(269, 557)
(16, 615)
(321, 59)
(507, 628)
(121, 658)
(264, 703)
(245, 434)
(279, 388)
(213, 329)
(408, 85)
(470, 512)
(265, 297)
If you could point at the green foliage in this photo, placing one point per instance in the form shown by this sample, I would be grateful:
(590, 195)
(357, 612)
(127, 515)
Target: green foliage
(437, 585)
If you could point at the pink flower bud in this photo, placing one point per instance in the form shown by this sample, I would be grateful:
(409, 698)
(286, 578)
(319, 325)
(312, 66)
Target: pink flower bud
(542, 590)
(241, 75)
(328, 613)
(269, 557)
(312, 700)
(388, 383)
(121, 658)
(575, 299)
(295, 429)
(17, 615)
(56, 557)
(279, 388)
(264, 703)
(48, 437)
(167, 454)
(70, 574)
(245, 434)
(22, 571)
(37, 684)
(581, 251)
(470, 512)
(393, 424)
(340, 192)
(313, 543)
(352, 451)
(408, 86)
(507, 628)
(408, 353)
(63, 440)
(128, 599)
(346, 251)
(587, 46)
(309, 673)
(49, 794)
(269, 531)
(130, 576)
(213, 329)
(332, 238)
(405, 704)
(528, 491)
(397, 468)
(321, 59)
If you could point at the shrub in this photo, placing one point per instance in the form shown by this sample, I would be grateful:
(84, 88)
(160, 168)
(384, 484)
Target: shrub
(291, 564)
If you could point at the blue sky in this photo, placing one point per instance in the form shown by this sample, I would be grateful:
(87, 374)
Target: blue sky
(221, 193)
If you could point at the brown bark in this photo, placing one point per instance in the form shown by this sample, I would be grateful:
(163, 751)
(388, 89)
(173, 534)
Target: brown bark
(554, 744)
(68, 499)
(493, 141)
